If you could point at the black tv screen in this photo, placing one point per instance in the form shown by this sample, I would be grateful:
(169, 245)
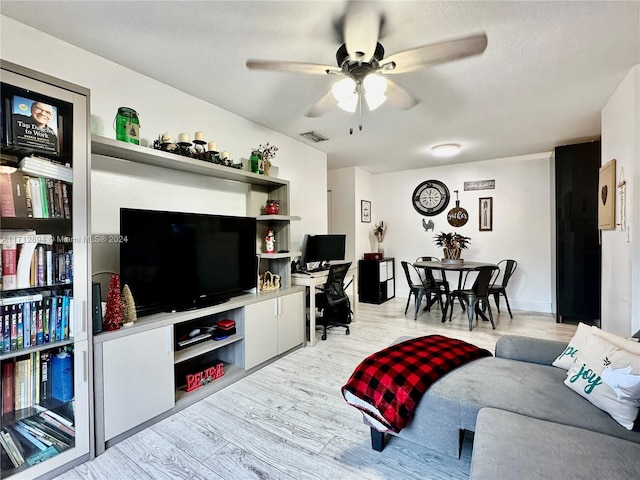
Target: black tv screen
(177, 261)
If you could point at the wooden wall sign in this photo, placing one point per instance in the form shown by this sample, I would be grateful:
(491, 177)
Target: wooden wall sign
(607, 196)
(457, 216)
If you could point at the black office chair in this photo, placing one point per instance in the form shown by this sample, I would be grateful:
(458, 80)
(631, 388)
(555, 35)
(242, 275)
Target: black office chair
(477, 297)
(333, 301)
(507, 267)
(419, 286)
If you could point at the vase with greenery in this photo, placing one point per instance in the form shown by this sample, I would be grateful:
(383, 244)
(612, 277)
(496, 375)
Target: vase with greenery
(452, 244)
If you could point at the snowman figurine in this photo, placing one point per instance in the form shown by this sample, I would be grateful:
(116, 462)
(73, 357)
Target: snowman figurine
(270, 240)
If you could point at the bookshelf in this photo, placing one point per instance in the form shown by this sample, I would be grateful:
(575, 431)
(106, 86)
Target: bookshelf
(45, 357)
(154, 389)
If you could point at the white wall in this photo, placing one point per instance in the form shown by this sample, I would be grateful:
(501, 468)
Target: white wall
(349, 186)
(163, 108)
(620, 252)
(521, 221)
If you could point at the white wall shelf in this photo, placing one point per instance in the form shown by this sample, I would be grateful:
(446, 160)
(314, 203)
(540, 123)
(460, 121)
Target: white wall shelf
(158, 158)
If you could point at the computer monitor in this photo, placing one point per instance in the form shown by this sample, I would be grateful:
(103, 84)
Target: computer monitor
(323, 249)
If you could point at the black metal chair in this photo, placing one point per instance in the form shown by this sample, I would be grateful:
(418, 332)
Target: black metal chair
(333, 300)
(477, 297)
(419, 286)
(437, 276)
(507, 267)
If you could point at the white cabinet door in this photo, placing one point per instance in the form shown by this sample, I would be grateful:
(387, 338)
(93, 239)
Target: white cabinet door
(138, 379)
(291, 321)
(260, 333)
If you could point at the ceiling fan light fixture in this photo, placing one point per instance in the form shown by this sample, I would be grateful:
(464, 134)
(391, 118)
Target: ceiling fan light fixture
(374, 88)
(345, 92)
(446, 149)
(375, 84)
(344, 89)
(374, 101)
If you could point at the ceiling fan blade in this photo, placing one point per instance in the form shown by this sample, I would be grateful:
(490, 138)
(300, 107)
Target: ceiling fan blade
(435, 53)
(362, 23)
(295, 67)
(398, 97)
(326, 103)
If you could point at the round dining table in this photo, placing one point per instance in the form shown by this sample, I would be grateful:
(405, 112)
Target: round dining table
(444, 267)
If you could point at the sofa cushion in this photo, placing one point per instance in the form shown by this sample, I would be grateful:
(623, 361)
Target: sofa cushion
(568, 356)
(508, 445)
(609, 377)
(566, 359)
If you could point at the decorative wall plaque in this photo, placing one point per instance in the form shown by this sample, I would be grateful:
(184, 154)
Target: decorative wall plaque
(457, 216)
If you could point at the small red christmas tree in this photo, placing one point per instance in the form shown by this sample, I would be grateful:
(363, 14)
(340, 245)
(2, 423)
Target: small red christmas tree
(113, 315)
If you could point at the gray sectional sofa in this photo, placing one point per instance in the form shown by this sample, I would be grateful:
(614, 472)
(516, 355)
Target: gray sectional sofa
(512, 401)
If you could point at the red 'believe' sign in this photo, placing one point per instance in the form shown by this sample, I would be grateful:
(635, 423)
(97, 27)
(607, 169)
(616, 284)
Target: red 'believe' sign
(196, 380)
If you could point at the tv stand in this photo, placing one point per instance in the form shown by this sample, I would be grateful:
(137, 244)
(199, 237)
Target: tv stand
(197, 304)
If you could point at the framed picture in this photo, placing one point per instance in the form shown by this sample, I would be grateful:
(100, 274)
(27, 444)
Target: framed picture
(365, 211)
(34, 124)
(485, 214)
(607, 197)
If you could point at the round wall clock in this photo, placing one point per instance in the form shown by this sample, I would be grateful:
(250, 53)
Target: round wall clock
(430, 197)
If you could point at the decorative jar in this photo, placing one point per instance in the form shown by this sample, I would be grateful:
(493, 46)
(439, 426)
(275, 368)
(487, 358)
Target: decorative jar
(272, 207)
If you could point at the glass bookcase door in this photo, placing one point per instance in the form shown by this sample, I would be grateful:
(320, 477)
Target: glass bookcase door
(44, 241)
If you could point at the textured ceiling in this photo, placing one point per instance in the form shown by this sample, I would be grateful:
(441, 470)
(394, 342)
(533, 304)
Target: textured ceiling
(548, 69)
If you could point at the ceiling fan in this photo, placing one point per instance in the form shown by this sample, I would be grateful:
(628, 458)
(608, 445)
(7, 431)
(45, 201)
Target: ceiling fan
(363, 66)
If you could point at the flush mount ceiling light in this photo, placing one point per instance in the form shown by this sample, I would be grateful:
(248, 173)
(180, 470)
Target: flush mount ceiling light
(446, 149)
(349, 92)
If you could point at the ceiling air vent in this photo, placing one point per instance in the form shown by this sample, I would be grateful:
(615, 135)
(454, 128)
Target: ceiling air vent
(315, 137)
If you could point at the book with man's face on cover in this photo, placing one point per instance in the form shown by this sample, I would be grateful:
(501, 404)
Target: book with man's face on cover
(34, 124)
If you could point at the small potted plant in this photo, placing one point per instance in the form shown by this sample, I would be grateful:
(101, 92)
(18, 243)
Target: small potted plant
(452, 243)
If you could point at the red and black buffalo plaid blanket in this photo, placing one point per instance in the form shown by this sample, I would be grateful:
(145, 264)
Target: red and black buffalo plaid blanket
(388, 385)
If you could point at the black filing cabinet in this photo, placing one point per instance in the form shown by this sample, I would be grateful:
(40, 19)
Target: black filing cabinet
(376, 280)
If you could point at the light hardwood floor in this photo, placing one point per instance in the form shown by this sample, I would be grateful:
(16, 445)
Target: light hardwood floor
(289, 420)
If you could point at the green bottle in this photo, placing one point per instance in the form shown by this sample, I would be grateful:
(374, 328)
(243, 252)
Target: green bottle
(255, 161)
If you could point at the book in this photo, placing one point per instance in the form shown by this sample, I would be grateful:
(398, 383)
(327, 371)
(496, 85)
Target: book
(26, 324)
(9, 265)
(66, 200)
(50, 419)
(45, 383)
(13, 199)
(44, 167)
(12, 447)
(27, 194)
(39, 322)
(7, 207)
(6, 327)
(65, 317)
(45, 198)
(34, 124)
(21, 430)
(8, 394)
(20, 326)
(14, 326)
(36, 196)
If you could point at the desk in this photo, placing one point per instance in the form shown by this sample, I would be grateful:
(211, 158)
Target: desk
(316, 279)
(458, 267)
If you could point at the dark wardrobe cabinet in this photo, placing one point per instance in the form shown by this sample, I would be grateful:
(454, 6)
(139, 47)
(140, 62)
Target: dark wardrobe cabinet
(578, 251)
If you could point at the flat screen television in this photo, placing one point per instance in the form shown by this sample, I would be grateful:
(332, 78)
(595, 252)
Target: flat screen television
(322, 249)
(178, 261)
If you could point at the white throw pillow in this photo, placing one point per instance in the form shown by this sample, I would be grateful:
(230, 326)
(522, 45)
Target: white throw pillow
(568, 356)
(609, 377)
(583, 332)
